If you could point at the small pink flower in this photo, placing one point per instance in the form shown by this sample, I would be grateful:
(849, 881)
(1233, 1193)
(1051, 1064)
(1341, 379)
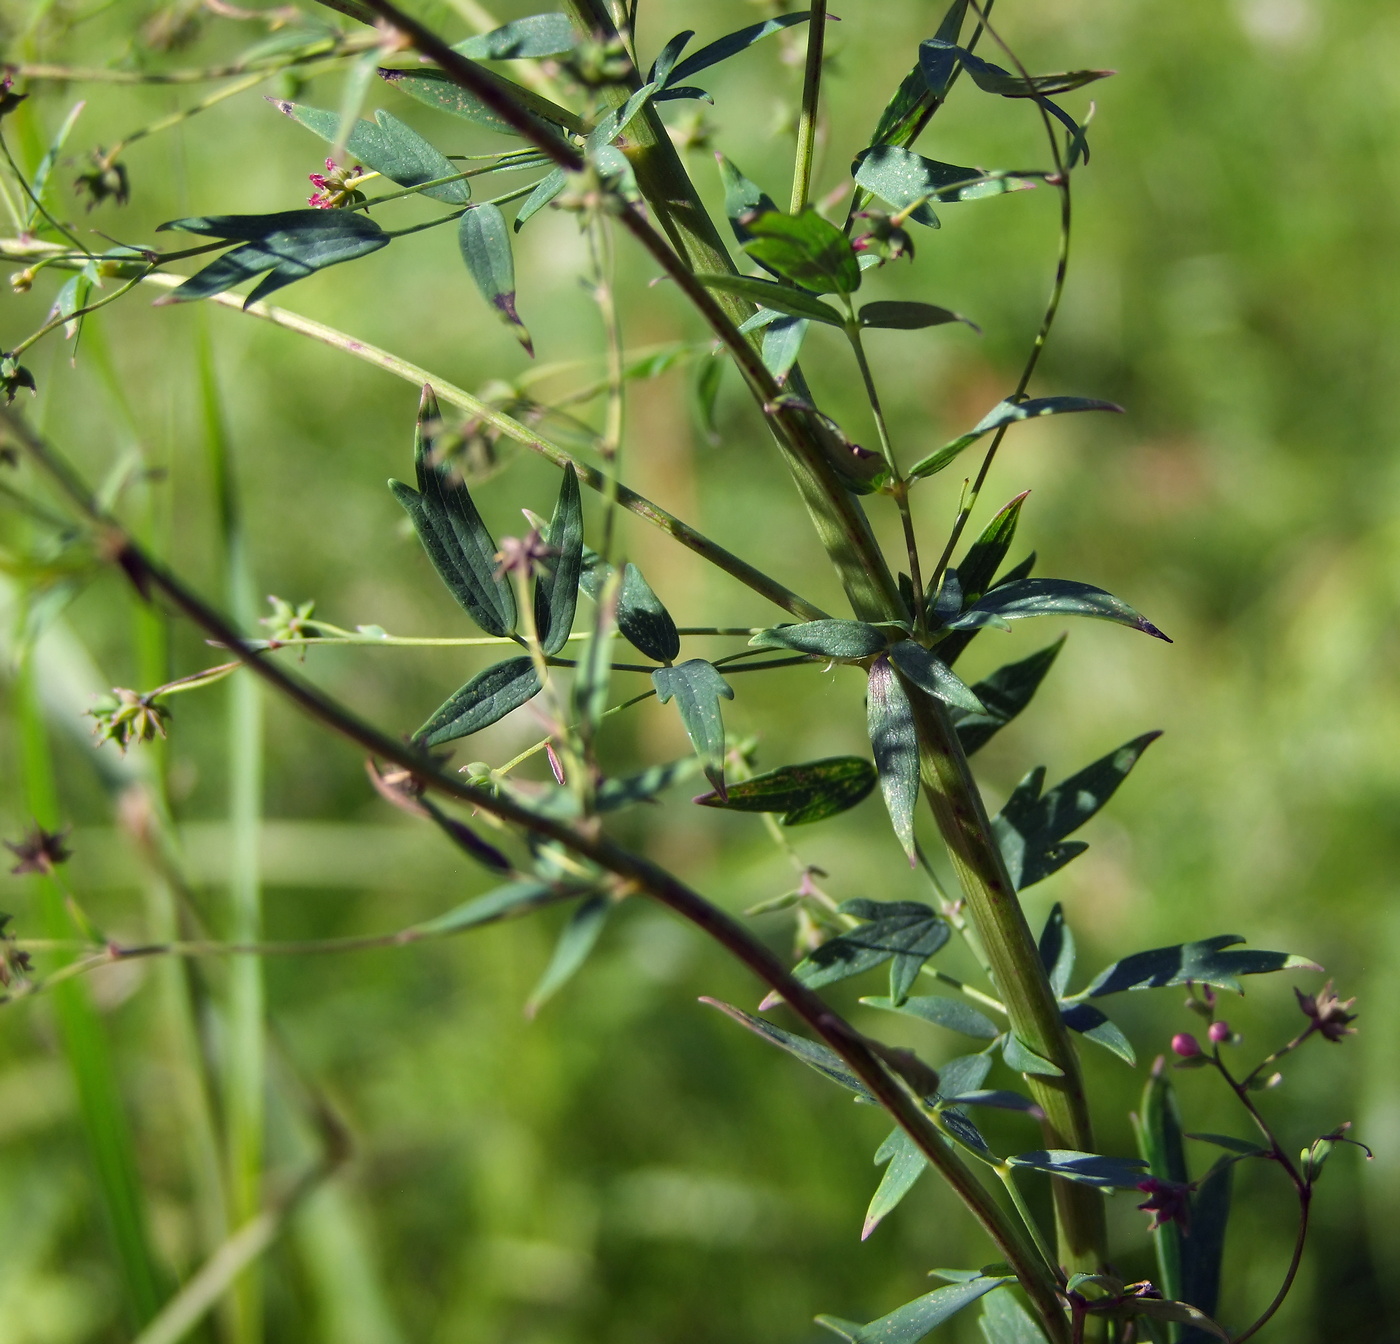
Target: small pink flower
(1185, 1045)
(1167, 1202)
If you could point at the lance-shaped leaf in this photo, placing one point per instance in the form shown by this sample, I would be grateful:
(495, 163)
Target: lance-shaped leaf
(1031, 827)
(789, 299)
(1022, 598)
(965, 1073)
(902, 315)
(594, 671)
(644, 622)
(743, 199)
(1057, 950)
(1159, 1137)
(1004, 695)
(1005, 1321)
(291, 245)
(644, 785)
(1105, 1173)
(1204, 1250)
(508, 902)
(906, 933)
(522, 39)
(906, 1165)
(556, 589)
(782, 344)
(1095, 1026)
(697, 688)
(902, 177)
(802, 793)
(953, 1014)
(841, 641)
(485, 242)
(1206, 963)
(911, 1322)
(452, 532)
(1020, 1057)
(731, 44)
(930, 674)
(937, 55)
(485, 699)
(979, 566)
(1006, 413)
(812, 1053)
(890, 721)
(387, 146)
(576, 941)
(435, 89)
(548, 187)
(805, 249)
(999, 1099)
(916, 100)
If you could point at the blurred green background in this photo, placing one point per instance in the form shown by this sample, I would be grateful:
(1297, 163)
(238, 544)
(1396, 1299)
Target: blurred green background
(629, 1167)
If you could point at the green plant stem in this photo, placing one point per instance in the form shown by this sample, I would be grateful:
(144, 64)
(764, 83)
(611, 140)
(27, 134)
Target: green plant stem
(811, 104)
(1007, 1176)
(1020, 978)
(641, 874)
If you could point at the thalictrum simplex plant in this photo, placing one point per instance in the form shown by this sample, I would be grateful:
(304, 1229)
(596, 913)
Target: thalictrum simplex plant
(576, 622)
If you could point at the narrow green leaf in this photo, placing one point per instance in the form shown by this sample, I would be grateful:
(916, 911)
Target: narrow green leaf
(665, 62)
(965, 1073)
(891, 723)
(901, 315)
(905, 932)
(1241, 1146)
(1023, 598)
(452, 532)
(522, 39)
(577, 940)
(812, 1053)
(915, 101)
(1203, 1251)
(984, 557)
(42, 173)
(1158, 1309)
(387, 146)
(435, 89)
(906, 1165)
(1105, 1173)
(931, 675)
(556, 589)
(1031, 828)
(1159, 1138)
(1004, 695)
(999, 1099)
(1005, 1321)
(936, 54)
(698, 689)
(1006, 413)
(594, 671)
(743, 199)
(516, 898)
(486, 699)
(782, 344)
(902, 177)
(841, 641)
(953, 1014)
(1205, 963)
(643, 786)
(549, 186)
(485, 242)
(803, 793)
(769, 294)
(1020, 1057)
(1057, 950)
(911, 1322)
(731, 45)
(1094, 1026)
(644, 622)
(805, 249)
(291, 244)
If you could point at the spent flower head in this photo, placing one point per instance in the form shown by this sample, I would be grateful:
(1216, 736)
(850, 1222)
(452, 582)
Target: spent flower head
(40, 852)
(9, 100)
(332, 191)
(523, 555)
(882, 237)
(13, 376)
(287, 621)
(1328, 1014)
(106, 179)
(1167, 1202)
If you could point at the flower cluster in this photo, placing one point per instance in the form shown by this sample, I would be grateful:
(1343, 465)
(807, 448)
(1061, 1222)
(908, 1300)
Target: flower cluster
(127, 716)
(39, 852)
(1327, 1013)
(332, 191)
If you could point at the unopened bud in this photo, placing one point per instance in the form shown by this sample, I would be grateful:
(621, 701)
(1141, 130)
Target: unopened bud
(1219, 1032)
(1185, 1045)
(22, 281)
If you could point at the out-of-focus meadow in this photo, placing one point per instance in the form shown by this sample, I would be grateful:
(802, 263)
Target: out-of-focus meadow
(629, 1167)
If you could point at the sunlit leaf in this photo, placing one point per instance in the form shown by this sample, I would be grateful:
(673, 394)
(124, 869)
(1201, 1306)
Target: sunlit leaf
(1005, 1321)
(516, 898)
(1095, 1026)
(387, 146)
(787, 299)
(1057, 950)
(1006, 413)
(641, 618)
(556, 589)
(1020, 1057)
(805, 249)
(484, 240)
(812, 1053)
(930, 674)
(979, 566)
(848, 641)
(953, 1014)
(910, 1323)
(905, 1165)
(1024, 598)
(731, 45)
(436, 89)
(902, 177)
(803, 793)
(937, 55)
(533, 36)
(890, 721)
(698, 688)
(485, 699)
(1105, 1173)
(645, 785)
(904, 932)
(782, 344)
(1206, 963)
(548, 187)
(576, 941)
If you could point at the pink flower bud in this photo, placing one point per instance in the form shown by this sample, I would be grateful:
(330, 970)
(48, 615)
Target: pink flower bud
(1219, 1031)
(1185, 1045)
